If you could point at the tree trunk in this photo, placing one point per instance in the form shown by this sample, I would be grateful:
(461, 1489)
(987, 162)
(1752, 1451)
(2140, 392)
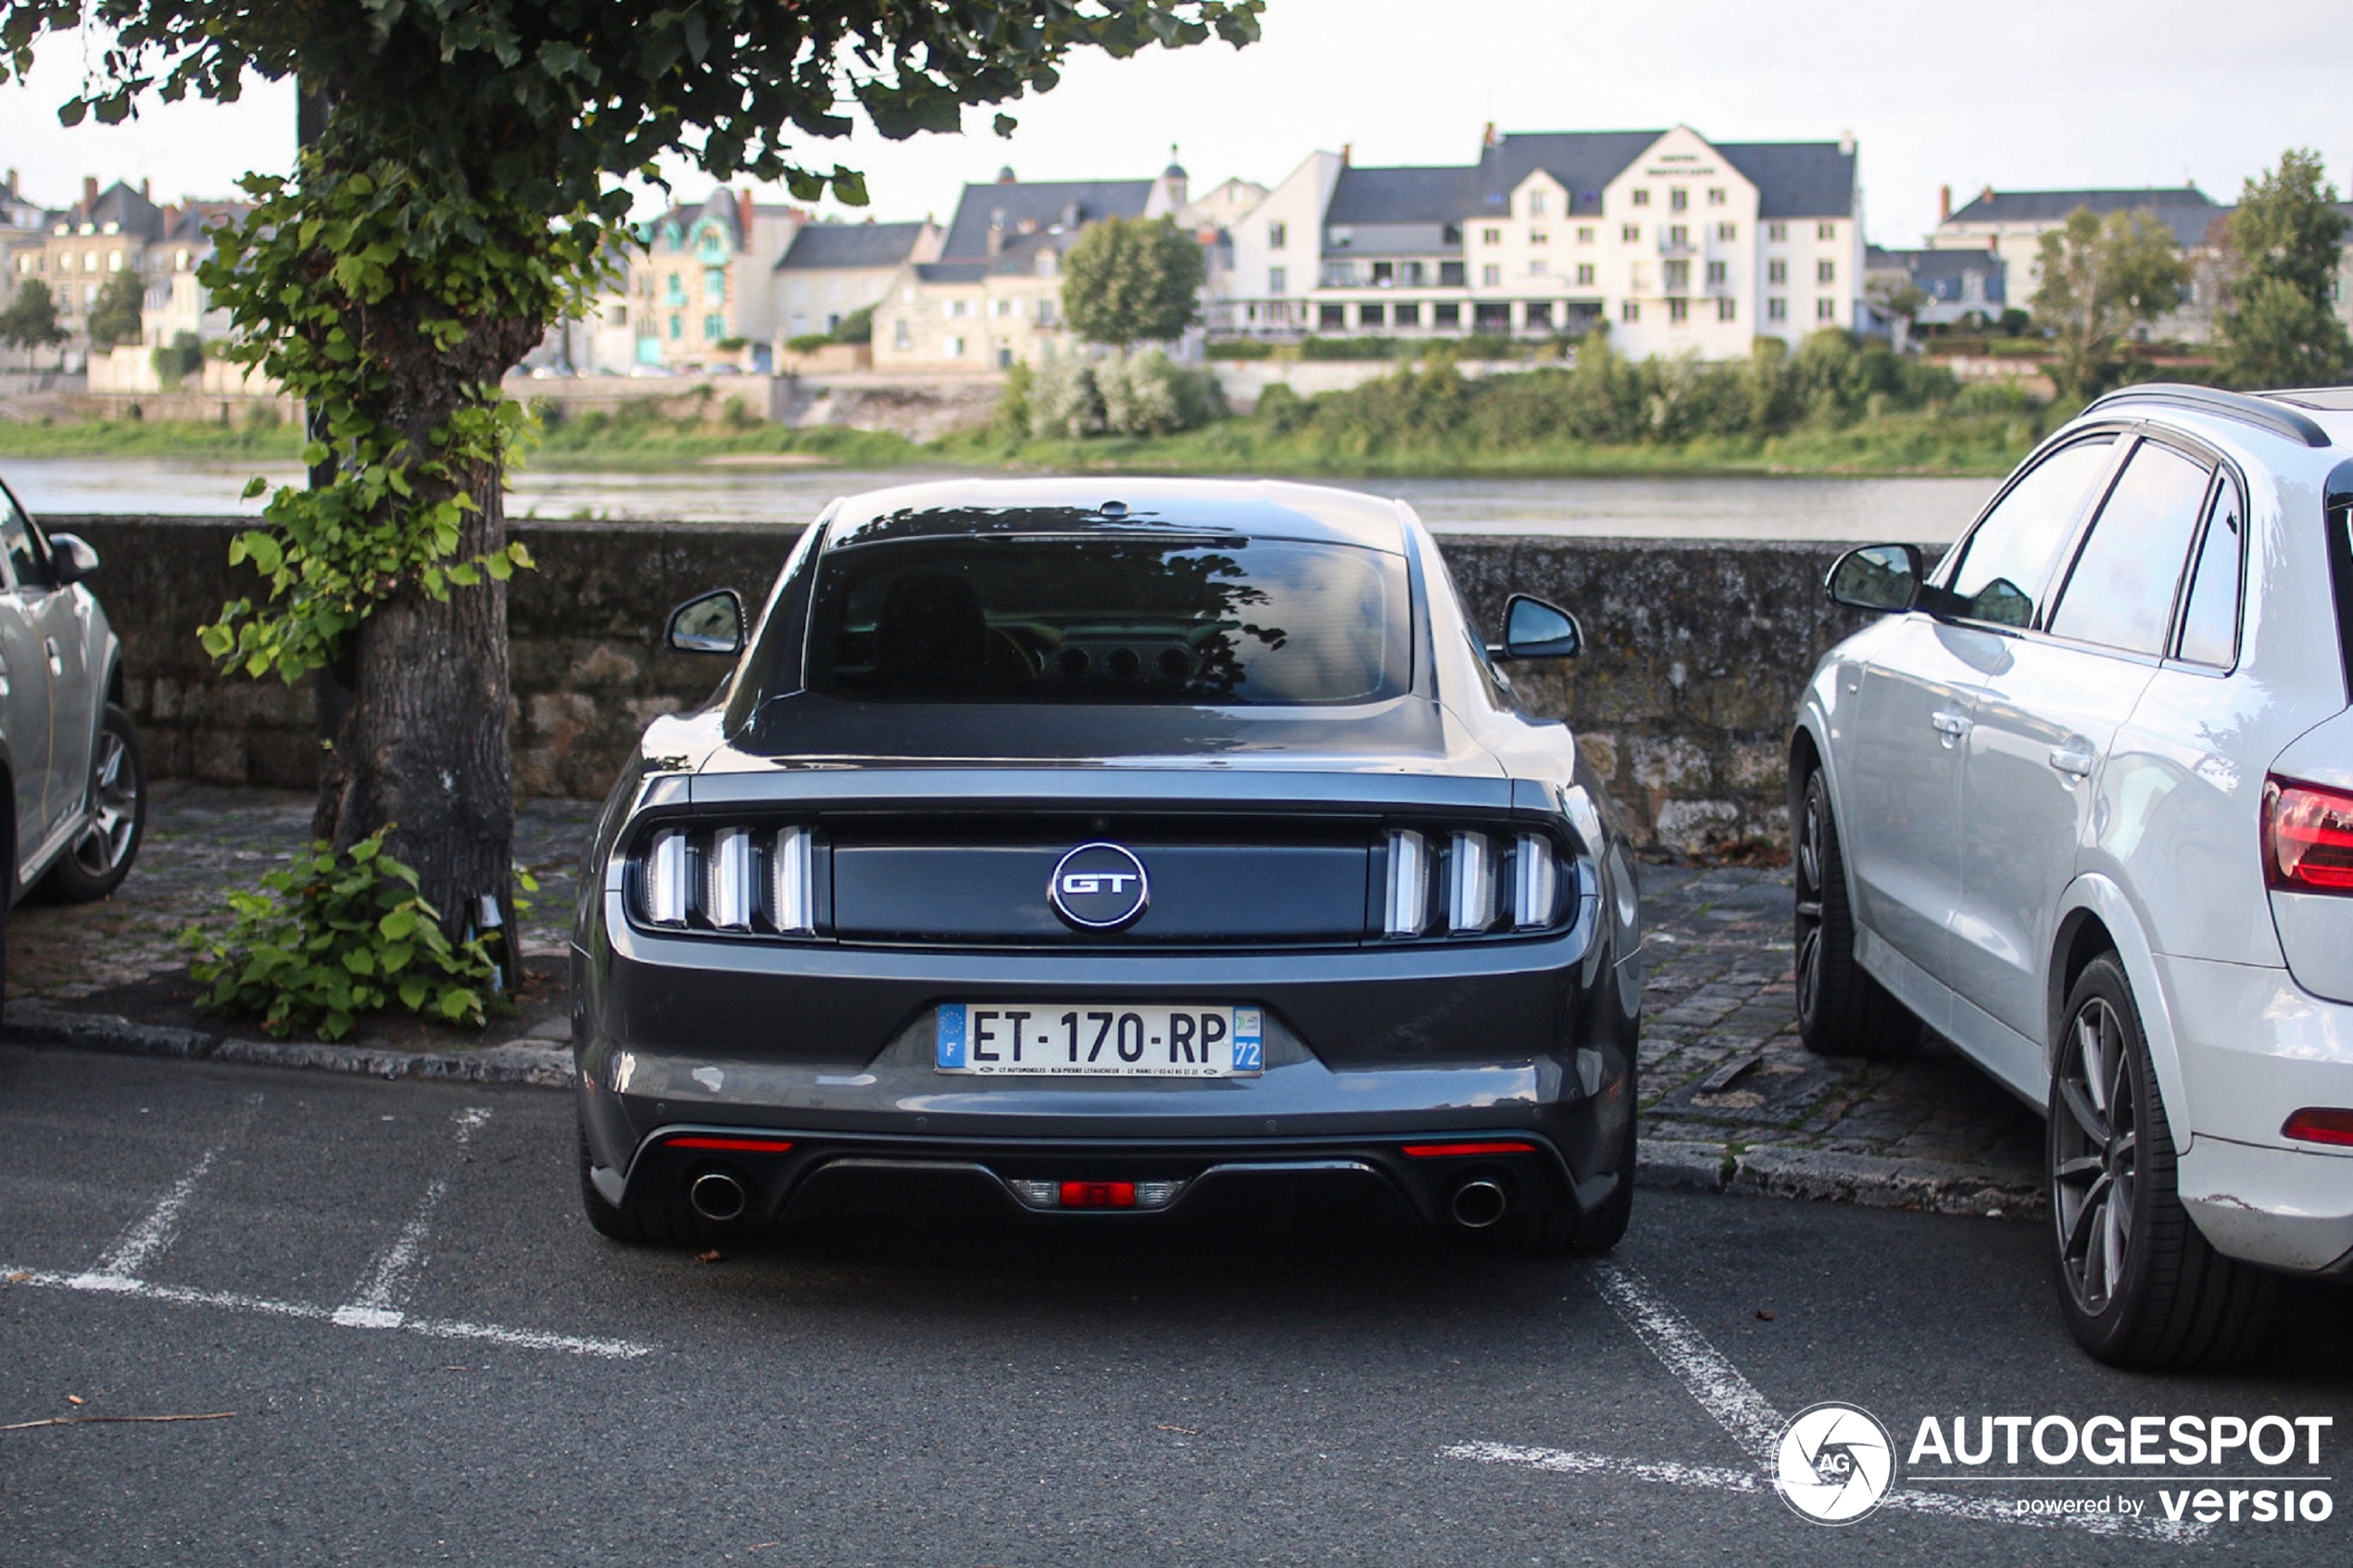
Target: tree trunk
(421, 739)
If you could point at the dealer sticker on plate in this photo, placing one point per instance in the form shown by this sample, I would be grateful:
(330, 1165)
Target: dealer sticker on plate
(1077, 1039)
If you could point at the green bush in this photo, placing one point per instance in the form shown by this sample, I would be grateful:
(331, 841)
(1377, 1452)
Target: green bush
(177, 359)
(856, 327)
(333, 936)
(1240, 349)
(1150, 394)
(1064, 403)
(809, 343)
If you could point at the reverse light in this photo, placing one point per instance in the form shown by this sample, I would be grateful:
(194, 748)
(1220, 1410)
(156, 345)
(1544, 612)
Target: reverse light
(1408, 907)
(2308, 837)
(1535, 882)
(731, 889)
(1470, 902)
(2319, 1125)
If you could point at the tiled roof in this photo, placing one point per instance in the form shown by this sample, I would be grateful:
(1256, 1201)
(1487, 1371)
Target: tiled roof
(1793, 179)
(1401, 195)
(850, 244)
(1797, 178)
(2049, 206)
(1042, 203)
(1584, 161)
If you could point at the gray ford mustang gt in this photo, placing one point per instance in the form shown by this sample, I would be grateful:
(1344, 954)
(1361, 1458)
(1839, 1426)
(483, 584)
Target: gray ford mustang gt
(1108, 861)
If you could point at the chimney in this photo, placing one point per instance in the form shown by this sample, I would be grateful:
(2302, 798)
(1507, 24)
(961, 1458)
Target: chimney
(12, 182)
(1846, 143)
(996, 232)
(1487, 140)
(89, 193)
(1944, 203)
(1986, 194)
(143, 190)
(1005, 175)
(1347, 154)
(743, 214)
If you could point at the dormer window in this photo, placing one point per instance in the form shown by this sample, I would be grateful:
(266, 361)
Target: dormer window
(1535, 203)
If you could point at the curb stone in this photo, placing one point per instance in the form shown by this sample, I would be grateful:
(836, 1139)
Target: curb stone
(1872, 1181)
(520, 1062)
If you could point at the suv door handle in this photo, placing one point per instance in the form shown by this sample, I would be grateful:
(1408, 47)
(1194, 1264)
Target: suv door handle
(2076, 765)
(1952, 726)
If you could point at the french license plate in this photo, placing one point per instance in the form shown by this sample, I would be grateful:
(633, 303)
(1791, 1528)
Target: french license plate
(1079, 1039)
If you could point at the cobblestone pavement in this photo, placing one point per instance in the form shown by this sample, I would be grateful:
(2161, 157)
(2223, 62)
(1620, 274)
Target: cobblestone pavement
(1723, 1074)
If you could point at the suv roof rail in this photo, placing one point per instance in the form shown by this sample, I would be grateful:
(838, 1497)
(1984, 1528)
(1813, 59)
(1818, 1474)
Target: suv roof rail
(2214, 400)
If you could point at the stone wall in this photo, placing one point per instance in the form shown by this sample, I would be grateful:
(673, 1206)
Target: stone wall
(1697, 651)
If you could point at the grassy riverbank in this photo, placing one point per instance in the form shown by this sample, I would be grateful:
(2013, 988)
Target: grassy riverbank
(149, 438)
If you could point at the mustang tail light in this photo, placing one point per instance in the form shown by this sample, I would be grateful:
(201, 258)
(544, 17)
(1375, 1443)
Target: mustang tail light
(734, 879)
(1471, 883)
(2308, 837)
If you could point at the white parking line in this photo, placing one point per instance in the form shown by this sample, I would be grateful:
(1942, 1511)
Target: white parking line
(1727, 1396)
(148, 1236)
(377, 1304)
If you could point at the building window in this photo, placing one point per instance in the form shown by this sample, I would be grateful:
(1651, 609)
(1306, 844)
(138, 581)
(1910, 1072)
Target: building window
(1584, 233)
(1536, 268)
(1726, 308)
(1277, 235)
(1826, 271)
(1451, 274)
(1004, 307)
(1540, 313)
(1331, 315)
(1585, 273)
(1777, 309)
(1408, 316)
(1825, 231)
(1492, 316)
(1372, 315)
(676, 292)
(1716, 196)
(1384, 274)
(89, 261)
(1410, 274)
(714, 286)
(677, 328)
(1777, 232)
(1632, 233)
(1728, 230)
(1046, 312)
(1490, 275)
(114, 262)
(1277, 279)
(1679, 311)
(1777, 272)
(1642, 195)
(1679, 198)
(1678, 235)
(1717, 271)
(901, 338)
(1535, 203)
(1826, 310)
(1448, 314)
(1539, 237)
(1631, 311)
(1677, 274)
(714, 328)
(955, 308)
(1490, 236)
(956, 348)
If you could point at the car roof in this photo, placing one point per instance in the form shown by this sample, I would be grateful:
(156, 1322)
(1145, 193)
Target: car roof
(1117, 505)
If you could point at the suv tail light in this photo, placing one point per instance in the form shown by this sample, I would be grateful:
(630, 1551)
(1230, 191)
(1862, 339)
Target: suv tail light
(2308, 837)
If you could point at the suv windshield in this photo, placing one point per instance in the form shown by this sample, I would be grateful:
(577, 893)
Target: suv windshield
(1089, 619)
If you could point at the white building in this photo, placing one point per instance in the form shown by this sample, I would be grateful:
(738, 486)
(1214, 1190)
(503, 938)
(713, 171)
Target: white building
(1682, 244)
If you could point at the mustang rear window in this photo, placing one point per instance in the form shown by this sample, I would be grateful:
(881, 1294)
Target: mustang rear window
(1195, 622)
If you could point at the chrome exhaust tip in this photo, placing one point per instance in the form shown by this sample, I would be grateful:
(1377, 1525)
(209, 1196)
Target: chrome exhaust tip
(716, 1197)
(1477, 1203)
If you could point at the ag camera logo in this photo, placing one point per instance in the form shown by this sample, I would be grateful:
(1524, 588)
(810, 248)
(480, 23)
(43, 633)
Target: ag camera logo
(1100, 887)
(1835, 1465)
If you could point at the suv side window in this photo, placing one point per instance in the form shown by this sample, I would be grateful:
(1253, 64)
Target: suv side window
(2005, 561)
(26, 551)
(2120, 593)
(2210, 624)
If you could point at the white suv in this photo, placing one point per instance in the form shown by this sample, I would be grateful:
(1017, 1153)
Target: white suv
(2082, 804)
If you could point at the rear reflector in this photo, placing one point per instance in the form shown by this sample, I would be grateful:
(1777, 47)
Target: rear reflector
(1098, 1195)
(732, 1145)
(2308, 837)
(2319, 1125)
(1441, 1150)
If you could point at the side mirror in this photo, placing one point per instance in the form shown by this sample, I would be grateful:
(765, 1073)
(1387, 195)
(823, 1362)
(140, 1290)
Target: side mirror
(1533, 629)
(72, 558)
(711, 622)
(1884, 579)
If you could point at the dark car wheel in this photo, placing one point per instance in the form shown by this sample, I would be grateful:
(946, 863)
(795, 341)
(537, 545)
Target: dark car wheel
(96, 862)
(2139, 1286)
(1840, 1009)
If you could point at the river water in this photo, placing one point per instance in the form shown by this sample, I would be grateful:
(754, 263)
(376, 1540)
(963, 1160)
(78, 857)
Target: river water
(1917, 511)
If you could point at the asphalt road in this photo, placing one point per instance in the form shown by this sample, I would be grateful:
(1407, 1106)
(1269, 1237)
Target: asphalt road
(429, 1358)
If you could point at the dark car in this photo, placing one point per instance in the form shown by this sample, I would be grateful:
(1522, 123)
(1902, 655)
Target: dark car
(1109, 860)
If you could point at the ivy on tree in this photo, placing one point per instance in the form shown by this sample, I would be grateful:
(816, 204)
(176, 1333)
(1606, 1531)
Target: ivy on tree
(1132, 280)
(463, 194)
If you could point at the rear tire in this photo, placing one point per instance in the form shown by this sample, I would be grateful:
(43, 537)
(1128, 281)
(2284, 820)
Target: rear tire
(1840, 1009)
(95, 863)
(2138, 1285)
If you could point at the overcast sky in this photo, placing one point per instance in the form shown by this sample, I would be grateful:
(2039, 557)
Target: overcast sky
(2016, 93)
